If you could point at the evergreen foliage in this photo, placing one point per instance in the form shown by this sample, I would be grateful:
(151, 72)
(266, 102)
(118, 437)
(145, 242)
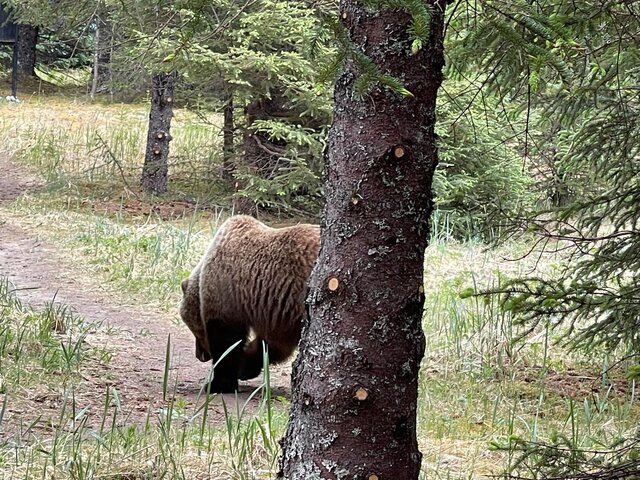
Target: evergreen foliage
(564, 459)
(577, 63)
(480, 180)
(573, 69)
(64, 40)
(278, 59)
(262, 56)
(275, 70)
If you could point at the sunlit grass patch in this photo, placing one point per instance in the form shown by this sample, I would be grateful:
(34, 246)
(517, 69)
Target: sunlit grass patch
(175, 442)
(75, 77)
(482, 385)
(39, 346)
(480, 389)
(143, 258)
(95, 151)
(55, 425)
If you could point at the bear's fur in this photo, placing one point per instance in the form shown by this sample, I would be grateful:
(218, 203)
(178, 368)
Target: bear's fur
(252, 278)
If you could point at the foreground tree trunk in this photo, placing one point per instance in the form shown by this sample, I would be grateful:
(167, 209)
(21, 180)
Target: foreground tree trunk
(155, 169)
(27, 41)
(355, 381)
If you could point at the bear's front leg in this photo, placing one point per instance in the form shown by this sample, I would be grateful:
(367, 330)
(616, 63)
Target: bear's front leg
(222, 384)
(252, 360)
(253, 357)
(226, 362)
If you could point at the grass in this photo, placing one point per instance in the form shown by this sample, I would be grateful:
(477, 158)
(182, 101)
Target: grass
(148, 259)
(44, 355)
(95, 151)
(479, 389)
(44, 347)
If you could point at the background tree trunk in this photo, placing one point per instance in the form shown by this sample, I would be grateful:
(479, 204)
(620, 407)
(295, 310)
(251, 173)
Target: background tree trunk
(155, 169)
(260, 153)
(27, 41)
(355, 381)
(228, 149)
(102, 53)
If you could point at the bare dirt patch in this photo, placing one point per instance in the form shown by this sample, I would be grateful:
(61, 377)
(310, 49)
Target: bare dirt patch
(15, 181)
(580, 385)
(137, 335)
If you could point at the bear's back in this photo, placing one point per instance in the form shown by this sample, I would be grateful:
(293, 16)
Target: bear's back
(257, 275)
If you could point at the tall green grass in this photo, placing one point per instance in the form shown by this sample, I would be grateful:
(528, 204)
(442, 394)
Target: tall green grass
(39, 345)
(480, 389)
(483, 386)
(146, 258)
(45, 350)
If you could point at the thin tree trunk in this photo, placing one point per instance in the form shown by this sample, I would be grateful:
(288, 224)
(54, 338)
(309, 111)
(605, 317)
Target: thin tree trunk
(102, 51)
(27, 41)
(228, 149)
(96, 59)
(261, 155)
(355, 381)
(155, 169)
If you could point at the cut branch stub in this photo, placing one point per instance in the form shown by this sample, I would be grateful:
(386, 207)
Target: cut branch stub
(373, 476)
(399, 151)
(160, 135)
(333, 284)
(361, 394)
(157, 152)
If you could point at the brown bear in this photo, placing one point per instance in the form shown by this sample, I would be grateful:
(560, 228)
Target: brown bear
(251, 279)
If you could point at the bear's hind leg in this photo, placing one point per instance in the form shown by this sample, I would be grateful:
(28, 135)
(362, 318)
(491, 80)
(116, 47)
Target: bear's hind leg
(253, 361)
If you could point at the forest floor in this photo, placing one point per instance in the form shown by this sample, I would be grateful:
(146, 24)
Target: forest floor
(135, 335)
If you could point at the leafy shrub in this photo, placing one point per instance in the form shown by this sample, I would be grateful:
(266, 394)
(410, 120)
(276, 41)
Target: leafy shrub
(481, 180)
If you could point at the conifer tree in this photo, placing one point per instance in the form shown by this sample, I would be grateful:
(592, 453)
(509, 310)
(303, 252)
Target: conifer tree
(355, 379)
(576, 64)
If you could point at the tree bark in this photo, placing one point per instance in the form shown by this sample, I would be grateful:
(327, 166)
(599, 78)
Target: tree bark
(155, 169)
(355, 381)
(228, 149)
(102, 52)
(27, 41)
(260, 153)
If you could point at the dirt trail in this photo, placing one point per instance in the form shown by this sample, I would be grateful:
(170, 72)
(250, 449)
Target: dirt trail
(41, 274)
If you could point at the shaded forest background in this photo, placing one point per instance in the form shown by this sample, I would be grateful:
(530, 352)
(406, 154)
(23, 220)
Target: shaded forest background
(267, 69)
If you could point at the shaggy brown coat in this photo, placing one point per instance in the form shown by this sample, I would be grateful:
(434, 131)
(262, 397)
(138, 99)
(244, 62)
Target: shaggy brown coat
(251, 278)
